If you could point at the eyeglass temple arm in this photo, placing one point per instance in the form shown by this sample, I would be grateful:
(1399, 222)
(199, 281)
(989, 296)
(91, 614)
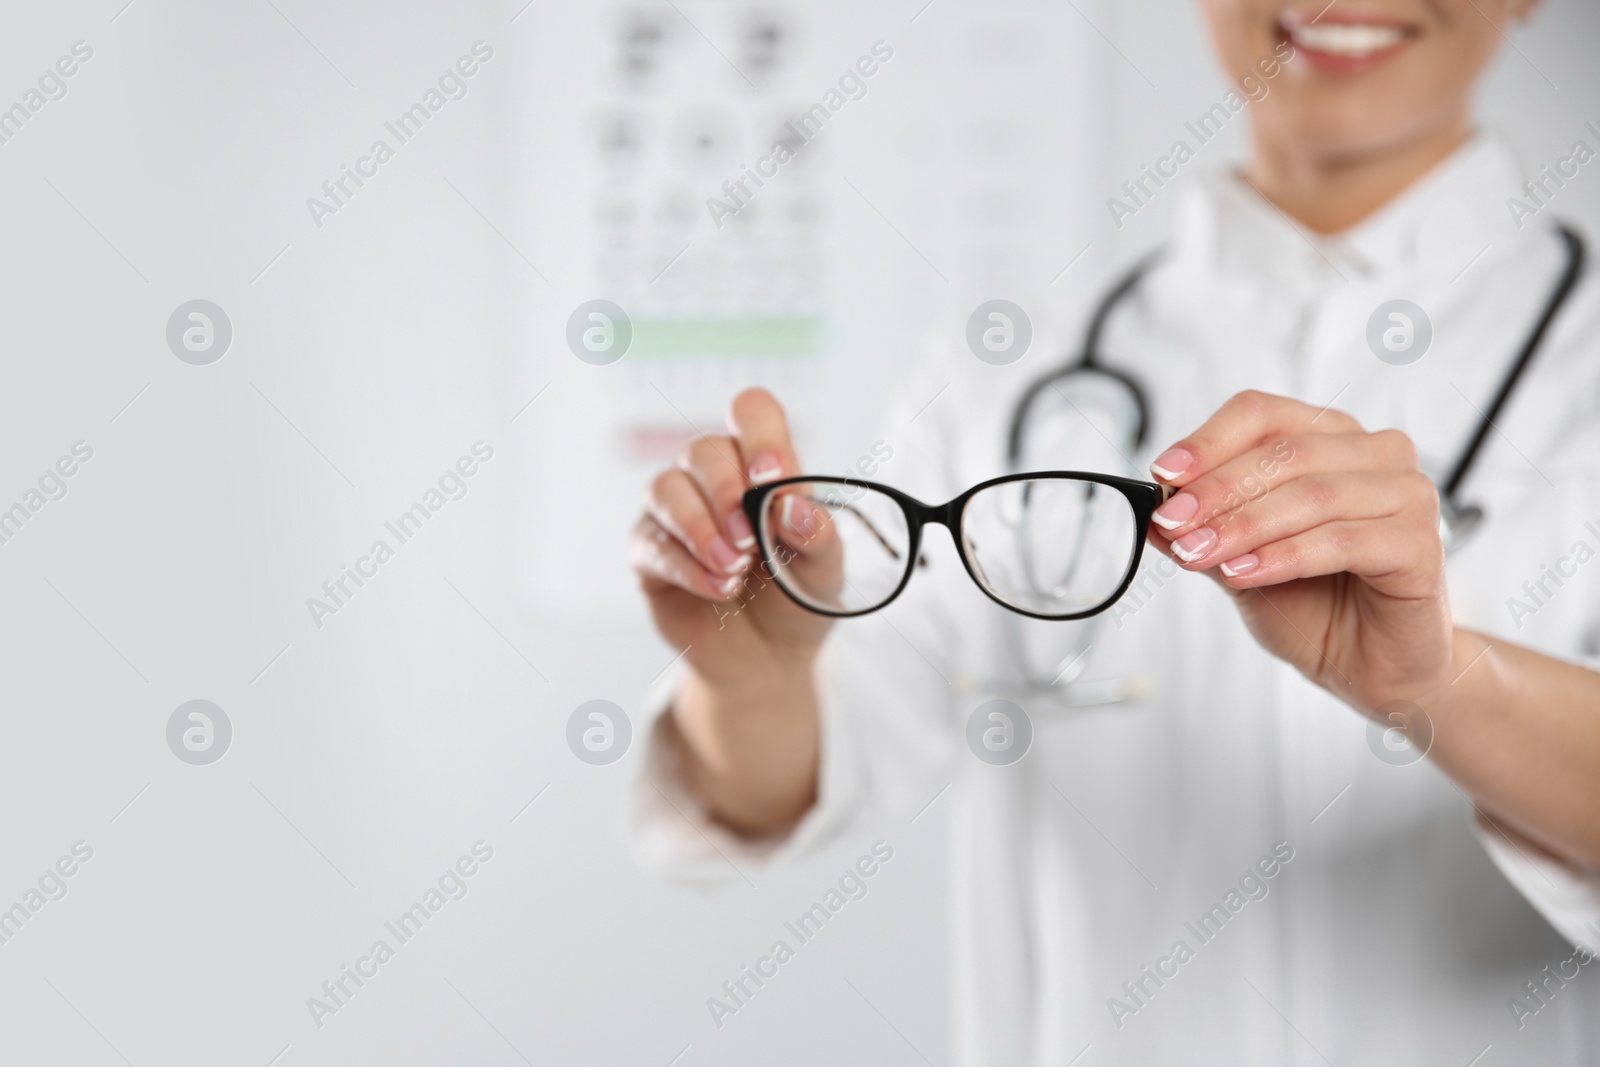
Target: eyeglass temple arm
(922, 560)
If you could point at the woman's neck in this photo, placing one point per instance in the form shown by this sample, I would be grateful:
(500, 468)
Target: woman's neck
(1328, 195)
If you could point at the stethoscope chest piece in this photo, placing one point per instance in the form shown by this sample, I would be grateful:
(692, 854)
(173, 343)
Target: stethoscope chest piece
(1457, 523)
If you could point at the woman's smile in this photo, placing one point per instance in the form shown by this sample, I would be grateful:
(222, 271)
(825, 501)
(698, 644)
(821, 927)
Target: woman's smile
(1345, 42)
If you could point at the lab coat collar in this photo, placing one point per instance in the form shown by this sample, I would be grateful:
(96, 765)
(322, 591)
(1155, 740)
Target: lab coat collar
(1440, 224)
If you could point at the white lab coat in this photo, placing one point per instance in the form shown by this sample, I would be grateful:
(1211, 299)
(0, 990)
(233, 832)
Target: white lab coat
(1398, 932)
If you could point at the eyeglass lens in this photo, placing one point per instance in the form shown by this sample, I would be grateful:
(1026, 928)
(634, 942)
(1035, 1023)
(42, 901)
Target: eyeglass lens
(836, 547)
(1051, 546)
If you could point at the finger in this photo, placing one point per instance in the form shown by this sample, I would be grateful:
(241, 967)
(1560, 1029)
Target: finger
(1215, 496)
(1246, 421)
(660, 559)
(1163, 546)
(762, 431)
(796, 517)
(803, 526)
(674, 502)
(1295, 507)
(1385, 552)
(713, 463)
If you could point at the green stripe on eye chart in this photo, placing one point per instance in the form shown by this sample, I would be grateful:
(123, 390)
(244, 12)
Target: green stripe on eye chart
(776, 335)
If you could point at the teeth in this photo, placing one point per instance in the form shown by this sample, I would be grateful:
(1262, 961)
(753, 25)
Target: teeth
(1344, 39)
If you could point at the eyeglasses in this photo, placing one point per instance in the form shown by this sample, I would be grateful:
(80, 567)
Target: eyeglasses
(1046, 544)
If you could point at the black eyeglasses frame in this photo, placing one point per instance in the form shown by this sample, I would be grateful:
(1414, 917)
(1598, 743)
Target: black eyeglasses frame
(1143, 497)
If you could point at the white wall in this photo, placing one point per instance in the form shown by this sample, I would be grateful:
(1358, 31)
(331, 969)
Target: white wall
(372, 351)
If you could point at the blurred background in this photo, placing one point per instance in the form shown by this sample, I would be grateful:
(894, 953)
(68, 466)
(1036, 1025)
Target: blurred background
(362, 352)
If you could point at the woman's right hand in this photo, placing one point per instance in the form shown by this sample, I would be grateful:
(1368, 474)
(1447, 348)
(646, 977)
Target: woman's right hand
(697, 560)
(746, 717)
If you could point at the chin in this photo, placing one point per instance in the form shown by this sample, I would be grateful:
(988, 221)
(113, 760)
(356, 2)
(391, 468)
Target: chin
(1329, 132)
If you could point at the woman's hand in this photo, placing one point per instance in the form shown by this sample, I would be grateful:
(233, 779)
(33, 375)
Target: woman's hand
(1327, 537)
(746, 716)
(696, 555)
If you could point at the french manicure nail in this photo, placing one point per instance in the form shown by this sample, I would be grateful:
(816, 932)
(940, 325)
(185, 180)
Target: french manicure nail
(765, 468)
(1195, 544)
(725, 557)
(739, 530)
(1172, 463)
(1177, 511)
(729, 587)
(1241, 565)
(786, 514)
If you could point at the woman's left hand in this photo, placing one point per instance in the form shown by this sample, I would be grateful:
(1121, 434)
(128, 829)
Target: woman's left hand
(1327, 537)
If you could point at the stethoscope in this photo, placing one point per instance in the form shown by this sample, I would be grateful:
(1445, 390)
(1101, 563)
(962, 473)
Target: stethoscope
(1458, 520)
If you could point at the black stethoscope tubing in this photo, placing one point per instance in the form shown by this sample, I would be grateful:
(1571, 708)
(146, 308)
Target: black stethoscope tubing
(1088, 362)
(1574, 249)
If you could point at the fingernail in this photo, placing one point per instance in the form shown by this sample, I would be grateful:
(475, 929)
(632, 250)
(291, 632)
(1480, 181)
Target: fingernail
(1195, 544)
(1242, 565)
(800, 516)
(729, 587)
(1177, 511)
(1171, 464)
(765, 467)
(725, 557)
(739, 530)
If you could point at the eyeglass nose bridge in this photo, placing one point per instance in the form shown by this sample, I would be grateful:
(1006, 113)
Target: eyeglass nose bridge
(946, 515)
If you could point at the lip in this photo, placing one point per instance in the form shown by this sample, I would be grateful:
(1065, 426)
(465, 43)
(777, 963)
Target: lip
(1293, 24)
